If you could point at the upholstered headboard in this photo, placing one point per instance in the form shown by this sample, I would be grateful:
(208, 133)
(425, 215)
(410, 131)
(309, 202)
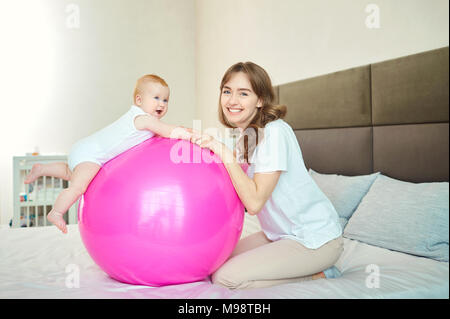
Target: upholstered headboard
(390, 117)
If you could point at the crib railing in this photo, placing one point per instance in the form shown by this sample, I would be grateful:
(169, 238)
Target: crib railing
(32, 202)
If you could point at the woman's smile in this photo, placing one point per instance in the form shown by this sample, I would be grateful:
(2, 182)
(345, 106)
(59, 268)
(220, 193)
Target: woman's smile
(234, 110)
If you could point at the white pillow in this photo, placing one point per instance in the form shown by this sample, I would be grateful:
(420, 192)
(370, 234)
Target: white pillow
(402, 216)
(344, 192)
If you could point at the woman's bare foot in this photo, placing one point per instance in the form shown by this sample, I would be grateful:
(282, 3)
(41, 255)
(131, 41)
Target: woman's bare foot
(36, 171)
(319, 275)
(57, 219)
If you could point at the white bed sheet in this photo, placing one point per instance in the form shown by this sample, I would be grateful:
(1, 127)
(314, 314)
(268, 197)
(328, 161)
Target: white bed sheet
(33, 264)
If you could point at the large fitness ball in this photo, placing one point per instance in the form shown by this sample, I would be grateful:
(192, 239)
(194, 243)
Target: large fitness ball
(163, 212)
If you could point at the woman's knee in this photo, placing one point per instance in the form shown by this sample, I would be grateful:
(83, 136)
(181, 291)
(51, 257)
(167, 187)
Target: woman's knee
(225, 277)
(250, 242)
(220, 278)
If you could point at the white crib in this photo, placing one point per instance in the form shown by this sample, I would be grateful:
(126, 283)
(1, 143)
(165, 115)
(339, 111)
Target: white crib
(34, 201)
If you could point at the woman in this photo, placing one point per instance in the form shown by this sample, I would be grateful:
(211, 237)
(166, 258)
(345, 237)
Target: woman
(301, 235)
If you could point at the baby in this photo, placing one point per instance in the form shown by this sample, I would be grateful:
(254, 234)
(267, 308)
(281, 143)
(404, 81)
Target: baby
(141, 122)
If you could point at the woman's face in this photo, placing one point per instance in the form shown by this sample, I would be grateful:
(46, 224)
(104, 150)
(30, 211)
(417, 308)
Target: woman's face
(239, 102)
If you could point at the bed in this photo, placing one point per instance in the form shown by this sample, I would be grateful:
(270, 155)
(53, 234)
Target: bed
(36, 268)
(368, 135)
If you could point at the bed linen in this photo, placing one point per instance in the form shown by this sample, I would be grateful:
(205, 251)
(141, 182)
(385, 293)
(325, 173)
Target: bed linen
(41, 262)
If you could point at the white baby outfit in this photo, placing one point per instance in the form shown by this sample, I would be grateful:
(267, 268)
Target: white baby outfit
(110, 141)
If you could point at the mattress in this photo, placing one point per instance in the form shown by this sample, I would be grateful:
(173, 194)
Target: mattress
(41, 262)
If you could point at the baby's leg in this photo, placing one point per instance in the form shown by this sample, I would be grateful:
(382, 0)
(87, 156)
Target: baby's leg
(81, 177)
(57, 169)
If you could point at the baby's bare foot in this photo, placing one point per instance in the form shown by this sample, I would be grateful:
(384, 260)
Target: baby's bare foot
(57, 219)
(36, 171)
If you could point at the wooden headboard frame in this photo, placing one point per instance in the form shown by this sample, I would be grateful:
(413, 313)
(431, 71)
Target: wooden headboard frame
(390, 117)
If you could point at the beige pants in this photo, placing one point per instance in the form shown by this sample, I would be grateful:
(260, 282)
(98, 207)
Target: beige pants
(258, 262)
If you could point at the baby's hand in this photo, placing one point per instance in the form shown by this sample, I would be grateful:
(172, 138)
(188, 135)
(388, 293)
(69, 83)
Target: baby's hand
(181, 132)
(196, 136)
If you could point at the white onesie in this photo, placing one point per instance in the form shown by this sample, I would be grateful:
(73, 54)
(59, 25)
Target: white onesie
(110, 141)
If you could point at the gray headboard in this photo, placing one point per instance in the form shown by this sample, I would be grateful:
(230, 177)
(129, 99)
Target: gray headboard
(390, 117)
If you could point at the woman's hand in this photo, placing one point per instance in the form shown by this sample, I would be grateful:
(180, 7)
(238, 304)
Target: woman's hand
(253, 192)
(207, 141)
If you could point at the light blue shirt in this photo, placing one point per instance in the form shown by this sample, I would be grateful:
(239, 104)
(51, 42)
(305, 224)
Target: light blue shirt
(297, 208)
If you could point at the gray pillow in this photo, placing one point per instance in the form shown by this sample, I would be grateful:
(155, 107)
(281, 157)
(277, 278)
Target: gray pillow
(344, 192)
(406, 217)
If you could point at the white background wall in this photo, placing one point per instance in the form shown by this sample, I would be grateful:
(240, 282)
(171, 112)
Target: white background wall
(59, 84)
(297, 39)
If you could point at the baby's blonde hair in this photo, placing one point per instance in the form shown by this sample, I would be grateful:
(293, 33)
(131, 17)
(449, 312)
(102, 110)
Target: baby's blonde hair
(144, 80)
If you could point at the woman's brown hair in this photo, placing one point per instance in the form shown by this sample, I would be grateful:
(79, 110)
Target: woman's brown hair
(262, 86)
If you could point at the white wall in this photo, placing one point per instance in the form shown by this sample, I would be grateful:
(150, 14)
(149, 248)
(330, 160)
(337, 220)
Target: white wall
(297, 39)
(58, 84)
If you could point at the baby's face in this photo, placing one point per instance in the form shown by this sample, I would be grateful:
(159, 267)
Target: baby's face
(154, 99)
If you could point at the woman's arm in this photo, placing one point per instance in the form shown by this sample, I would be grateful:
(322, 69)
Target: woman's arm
(151, 123)
(253, 193)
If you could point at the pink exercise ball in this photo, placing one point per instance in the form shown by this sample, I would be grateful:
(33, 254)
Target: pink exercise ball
(161, 213)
